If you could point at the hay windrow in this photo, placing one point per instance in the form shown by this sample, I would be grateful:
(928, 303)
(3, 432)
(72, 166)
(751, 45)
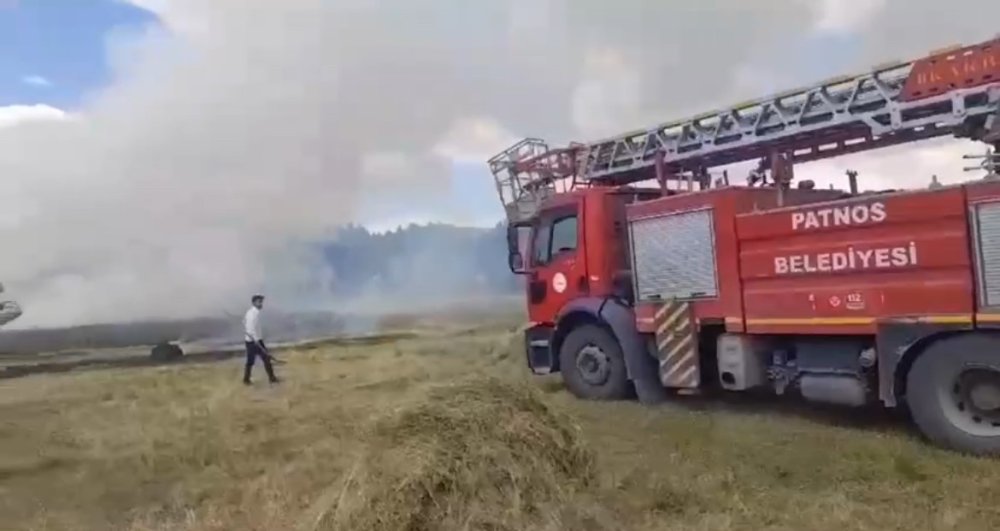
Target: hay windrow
(481, 454)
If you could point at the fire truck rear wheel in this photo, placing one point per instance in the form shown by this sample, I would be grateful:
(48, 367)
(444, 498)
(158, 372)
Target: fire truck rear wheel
(592, 364)
(953, 392)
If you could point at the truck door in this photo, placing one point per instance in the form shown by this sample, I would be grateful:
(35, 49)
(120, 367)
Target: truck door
(558, 267)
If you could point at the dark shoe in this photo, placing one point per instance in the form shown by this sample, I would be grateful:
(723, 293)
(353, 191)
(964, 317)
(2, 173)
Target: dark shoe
(247, 382)
(275, 380)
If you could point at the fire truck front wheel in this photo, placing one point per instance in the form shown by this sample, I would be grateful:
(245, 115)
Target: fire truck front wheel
(592, 364)
(953, 391)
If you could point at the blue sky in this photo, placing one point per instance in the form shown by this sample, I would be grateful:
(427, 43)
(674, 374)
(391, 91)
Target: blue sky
(471, 200)
(53, 51)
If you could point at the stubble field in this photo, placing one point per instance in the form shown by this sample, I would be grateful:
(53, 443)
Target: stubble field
(443, 429)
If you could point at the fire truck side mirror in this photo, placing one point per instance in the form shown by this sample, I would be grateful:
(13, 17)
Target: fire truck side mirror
(516, 263)
(515, 237)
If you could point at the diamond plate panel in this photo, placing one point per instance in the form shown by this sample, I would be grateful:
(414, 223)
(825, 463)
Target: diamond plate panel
(674, 256)
(988, 244)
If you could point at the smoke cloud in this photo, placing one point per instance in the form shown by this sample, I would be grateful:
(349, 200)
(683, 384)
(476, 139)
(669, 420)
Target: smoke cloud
(241, 129)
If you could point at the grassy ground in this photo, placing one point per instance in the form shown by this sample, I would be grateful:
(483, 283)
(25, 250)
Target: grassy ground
(447, 431)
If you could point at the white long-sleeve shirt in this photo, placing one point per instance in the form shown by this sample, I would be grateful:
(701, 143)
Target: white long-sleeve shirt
(251, 325)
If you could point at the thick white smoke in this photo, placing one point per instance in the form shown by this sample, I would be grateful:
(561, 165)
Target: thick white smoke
(245, 126)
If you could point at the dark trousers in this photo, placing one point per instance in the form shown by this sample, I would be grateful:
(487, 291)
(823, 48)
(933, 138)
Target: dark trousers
(254, 351)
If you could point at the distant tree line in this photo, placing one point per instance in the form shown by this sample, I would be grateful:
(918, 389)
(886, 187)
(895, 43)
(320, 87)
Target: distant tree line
(430, 261)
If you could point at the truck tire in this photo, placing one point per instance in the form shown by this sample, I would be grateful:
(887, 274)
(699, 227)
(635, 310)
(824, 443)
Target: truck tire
(953, 393)
(592, 364)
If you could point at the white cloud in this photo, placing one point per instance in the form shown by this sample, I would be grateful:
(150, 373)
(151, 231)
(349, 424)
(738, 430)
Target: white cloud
(845, 16)
(36, 81)
(474, 140)
(394, 223)
(12, 115)
(608, 95)
(176, 15)
(401, 173)
(258, 123)
(906, 166)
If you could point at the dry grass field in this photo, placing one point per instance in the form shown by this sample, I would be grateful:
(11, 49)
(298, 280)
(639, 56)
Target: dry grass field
(445, 430)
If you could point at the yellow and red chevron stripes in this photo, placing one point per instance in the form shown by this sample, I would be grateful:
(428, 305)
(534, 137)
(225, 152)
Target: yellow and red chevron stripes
(677, 345)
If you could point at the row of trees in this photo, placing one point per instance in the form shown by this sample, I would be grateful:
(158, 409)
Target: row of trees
(427, 261)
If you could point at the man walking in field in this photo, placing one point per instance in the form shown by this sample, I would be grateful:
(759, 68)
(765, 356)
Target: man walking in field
(254, 339)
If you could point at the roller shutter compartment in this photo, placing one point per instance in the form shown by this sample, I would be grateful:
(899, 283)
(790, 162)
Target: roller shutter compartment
(987, 220)
(673, 256)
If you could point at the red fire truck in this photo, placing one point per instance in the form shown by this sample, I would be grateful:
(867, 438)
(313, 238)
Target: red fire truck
(648, 275)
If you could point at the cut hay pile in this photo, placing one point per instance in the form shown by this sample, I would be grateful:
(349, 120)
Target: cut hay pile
(477, 455)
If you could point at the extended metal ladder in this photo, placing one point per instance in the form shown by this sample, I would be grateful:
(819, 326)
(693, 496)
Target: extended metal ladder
(951, 92)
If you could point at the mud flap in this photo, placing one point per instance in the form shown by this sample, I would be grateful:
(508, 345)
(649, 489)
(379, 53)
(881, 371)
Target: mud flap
(677, 346)
(894, 340)
(541, 359)
(639, 362)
